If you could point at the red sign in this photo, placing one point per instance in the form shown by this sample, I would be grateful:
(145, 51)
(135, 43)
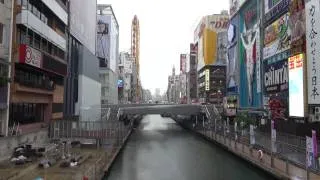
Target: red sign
(29, 55)
(296, 61)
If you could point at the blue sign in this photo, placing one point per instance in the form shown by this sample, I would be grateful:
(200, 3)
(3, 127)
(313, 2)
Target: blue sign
(120, 83)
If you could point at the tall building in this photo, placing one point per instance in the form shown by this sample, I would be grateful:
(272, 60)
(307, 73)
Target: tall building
(108, 53)
(39, 53)
(5, 58)
(210, 39)
(135, 51)
(82, 85)
(125, 77)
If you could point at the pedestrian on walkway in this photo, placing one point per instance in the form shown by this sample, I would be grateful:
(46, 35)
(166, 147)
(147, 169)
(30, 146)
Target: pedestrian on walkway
(105, 176)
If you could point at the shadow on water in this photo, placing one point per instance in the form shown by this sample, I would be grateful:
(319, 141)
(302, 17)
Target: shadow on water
(159, 149)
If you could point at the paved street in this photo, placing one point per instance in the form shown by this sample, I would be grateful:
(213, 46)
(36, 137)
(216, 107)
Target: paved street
(160, 149)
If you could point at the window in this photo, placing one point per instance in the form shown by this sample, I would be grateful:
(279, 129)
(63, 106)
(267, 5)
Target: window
(1, 33)
(26, 113)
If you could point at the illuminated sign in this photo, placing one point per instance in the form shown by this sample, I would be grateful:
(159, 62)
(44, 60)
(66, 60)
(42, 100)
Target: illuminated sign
(296, 86)
(207, 79)
(279, 8)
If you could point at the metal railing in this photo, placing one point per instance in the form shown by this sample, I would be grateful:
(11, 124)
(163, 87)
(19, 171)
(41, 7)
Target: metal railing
(287, 148)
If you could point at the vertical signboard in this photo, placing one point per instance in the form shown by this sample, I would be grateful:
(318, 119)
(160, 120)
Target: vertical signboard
(207, 79)
(313, 50)
(183, 61)
(233, 59)
(296, 86)
(315, 143)
(249, 27)
(309, 151)
(258, 64)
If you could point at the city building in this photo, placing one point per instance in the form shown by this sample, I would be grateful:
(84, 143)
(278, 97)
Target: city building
(135, 51)
(173, 90)
(192, 74)
(108, 53)
(147, 96)
(125, 77)
(82, 85)
(6, 22)
(210, 40)
(39, 53)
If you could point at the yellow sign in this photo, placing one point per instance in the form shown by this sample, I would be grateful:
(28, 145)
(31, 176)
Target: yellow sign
(207, 79)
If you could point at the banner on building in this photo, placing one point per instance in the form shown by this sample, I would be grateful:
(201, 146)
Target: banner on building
(183, 61)
(297, 23)
(313, 50)
(233, 58)
(249, 27)
(309, 152)
(277, 37)
(275, 77)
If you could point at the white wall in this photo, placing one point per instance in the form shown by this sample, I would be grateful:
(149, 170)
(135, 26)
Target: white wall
(89, 102)
(57, 9)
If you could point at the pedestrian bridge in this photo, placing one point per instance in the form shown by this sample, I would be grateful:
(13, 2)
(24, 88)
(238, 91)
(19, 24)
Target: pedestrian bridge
(177, 109)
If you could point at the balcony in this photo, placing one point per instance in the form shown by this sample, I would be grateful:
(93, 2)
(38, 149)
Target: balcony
(31, 21)
(34, 80)
(58, 8)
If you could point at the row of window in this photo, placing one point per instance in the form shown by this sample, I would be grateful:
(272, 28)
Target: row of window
(34, 80)
(26, 113)
(1, 33)
(25, 4)
(34, 40)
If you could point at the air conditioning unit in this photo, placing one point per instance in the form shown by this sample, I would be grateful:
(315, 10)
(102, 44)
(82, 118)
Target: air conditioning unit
(317, 110)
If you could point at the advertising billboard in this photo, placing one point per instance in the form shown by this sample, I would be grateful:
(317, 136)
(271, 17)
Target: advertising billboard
(249, 57)
(313, 50)
(277, 38)
(83, 22)
(103, 38)
(296, 86)
(206, 35)
(275, 77)
(233, 59)
(274, 8)
(235, 6)
(183, 61)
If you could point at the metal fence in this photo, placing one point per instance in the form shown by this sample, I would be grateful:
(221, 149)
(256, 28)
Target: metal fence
(286, 147)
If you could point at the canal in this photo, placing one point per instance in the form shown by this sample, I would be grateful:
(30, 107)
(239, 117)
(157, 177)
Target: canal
(161, 150)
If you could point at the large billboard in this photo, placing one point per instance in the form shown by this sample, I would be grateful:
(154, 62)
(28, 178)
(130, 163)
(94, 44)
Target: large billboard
(277, 38)
(250, 89)
(206, 35)
(235, 5)
(83, 22)
(296, 86)
(183, 63)
(103, 38)
(313, 50)
(275, 76)
(233, 58)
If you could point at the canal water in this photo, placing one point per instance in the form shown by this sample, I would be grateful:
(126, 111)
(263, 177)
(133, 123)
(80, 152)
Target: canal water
(161, 150)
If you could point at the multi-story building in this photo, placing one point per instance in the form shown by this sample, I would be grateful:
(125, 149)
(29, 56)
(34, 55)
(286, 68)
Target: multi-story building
(39, 53)
(192, 89)
(108, 51)
(135, 51)
(125, 77)
(209, 38)
(6, 21)
(83, 87)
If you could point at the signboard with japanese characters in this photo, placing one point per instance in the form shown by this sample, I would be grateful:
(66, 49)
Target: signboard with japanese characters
(296, 86)
(313, 50)
(207, 79)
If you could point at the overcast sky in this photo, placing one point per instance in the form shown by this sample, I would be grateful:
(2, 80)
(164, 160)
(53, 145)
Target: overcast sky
(166, 30)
